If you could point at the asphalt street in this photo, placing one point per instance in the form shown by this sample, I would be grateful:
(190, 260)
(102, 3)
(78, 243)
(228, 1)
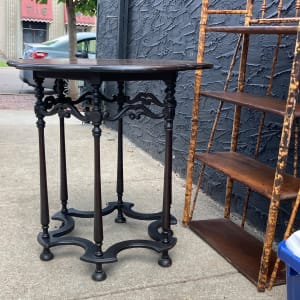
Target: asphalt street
(10, 83)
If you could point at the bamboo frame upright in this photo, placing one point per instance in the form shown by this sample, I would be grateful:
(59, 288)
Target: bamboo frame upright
(195, 112)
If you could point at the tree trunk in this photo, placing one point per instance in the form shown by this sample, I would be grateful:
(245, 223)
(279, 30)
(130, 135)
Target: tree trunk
(73, 88)
(71, 28)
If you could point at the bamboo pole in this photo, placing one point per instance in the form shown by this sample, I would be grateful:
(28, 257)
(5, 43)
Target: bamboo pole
(237, 116)
(195, 113)
(281, 165)
(286, 235)
(297, 8)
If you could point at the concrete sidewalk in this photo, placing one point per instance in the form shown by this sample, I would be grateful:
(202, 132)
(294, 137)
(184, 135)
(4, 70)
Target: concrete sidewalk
(198, 272)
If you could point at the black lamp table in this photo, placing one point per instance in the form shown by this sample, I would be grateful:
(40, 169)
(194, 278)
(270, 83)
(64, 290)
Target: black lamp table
(95, 72)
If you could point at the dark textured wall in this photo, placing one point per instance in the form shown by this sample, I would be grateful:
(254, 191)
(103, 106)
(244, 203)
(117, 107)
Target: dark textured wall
(107, 28)
(168, 29)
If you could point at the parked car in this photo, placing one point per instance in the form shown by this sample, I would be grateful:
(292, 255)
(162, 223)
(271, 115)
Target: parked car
(57, 48)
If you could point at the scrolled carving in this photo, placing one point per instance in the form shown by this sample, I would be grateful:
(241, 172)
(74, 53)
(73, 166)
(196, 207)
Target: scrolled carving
(49, 102)
(87, 96)
(135, 111)
(64, 113)
(64, 107)
(94, 116)
(145, 99)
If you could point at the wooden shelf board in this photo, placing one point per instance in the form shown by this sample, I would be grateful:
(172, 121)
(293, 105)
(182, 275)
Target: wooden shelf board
(255, 29)
(237, 246)
(254, 174)
(262, 103)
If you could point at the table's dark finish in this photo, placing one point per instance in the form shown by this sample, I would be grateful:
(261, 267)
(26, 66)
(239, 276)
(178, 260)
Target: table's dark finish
(96, 72)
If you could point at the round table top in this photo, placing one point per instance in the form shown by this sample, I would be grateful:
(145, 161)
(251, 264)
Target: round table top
(133, 66)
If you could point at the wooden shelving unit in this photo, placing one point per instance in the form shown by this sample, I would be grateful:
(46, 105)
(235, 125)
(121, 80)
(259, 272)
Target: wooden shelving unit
(249, 171)
(234, 244)
(256, 260)
(257, 102)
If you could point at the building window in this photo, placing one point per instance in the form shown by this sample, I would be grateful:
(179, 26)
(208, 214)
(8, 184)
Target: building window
(34, 32)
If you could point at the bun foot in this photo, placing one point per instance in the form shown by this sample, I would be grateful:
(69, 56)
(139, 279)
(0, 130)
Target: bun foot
(99, 274)
(120, 219)
(165, 260)
(46, 255)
